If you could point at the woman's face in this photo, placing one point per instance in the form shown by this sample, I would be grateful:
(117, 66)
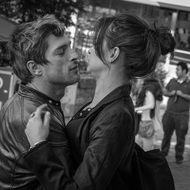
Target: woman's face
(95, 65)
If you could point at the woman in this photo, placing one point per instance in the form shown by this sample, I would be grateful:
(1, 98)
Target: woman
(147, 106)
(102, 133)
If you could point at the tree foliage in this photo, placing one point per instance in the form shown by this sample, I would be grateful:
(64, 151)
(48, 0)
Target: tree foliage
(29, 10)
(21, 11)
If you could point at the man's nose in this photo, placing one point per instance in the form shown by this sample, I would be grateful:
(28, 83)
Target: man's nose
(74, 54)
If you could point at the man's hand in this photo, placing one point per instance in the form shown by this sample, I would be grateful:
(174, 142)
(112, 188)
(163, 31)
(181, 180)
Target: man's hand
(37, 129)
(173, 93)
(179, 92)
(168, 93)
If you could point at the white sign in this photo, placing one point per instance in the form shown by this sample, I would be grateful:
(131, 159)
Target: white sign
(1, 82)
(1, 103)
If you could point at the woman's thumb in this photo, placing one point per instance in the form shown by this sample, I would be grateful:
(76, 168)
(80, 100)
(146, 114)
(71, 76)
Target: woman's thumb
(46, 119)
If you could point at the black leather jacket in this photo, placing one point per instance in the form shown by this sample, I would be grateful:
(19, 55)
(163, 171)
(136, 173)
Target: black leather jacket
(104, 142)
(14, 173)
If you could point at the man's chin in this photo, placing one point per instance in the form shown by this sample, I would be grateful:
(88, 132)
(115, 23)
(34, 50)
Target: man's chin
(77, 79)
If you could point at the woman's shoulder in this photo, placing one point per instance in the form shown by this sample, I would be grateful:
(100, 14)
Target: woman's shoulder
(116, 114)
(120, 106)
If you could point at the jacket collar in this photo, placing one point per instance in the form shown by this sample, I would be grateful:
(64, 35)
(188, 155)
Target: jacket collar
(122, 91)
(186, 80)
(33, 94)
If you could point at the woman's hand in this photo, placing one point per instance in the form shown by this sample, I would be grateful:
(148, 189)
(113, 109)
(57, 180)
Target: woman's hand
(37, 129)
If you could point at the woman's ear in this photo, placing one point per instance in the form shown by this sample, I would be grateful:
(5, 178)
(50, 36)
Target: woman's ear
(35, 69)
(114, 54)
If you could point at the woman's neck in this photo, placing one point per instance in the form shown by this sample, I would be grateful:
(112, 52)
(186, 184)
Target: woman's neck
(106, 83)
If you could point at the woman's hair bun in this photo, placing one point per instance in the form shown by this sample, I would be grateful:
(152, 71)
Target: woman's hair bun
(166, 40)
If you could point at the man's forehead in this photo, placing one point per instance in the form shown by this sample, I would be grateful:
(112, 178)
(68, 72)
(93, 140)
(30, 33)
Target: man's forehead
(56, 41)
(61, 39)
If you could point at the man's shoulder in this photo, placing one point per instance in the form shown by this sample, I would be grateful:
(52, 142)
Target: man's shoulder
(9, 104)
(173, 80)
(17, 109)
(13, 119)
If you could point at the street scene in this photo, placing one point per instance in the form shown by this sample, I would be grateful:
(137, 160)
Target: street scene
(69, 70)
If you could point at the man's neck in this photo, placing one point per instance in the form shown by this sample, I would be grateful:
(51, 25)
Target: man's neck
(54, 92)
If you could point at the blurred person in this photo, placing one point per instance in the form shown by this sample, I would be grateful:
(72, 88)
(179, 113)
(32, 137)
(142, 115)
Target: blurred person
(102, 133)
(176, 116)
(43, 60)
(136, 85)
(148, 106)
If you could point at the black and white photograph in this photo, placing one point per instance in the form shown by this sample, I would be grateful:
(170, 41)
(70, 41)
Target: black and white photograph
(94, 94)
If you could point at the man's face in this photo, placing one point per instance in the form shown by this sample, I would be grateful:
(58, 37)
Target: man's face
(179, 72)
(62, 68)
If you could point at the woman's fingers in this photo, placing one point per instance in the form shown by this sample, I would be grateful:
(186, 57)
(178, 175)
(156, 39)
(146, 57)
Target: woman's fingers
(46, 119)
(37, 128)
(39, 110)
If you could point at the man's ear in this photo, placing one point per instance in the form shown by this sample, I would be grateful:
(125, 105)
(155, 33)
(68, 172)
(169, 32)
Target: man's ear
(114, 54)
(35, 69)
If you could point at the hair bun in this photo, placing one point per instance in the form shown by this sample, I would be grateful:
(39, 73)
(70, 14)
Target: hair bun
(166, 40)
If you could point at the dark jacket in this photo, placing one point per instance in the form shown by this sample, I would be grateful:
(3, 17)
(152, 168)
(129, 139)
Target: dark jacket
(106, 142)
(14, 174)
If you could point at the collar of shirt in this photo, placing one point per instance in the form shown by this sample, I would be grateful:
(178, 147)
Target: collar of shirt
(182, 80)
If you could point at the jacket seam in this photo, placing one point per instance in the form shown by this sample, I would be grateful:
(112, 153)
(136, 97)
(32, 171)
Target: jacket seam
(7, 107)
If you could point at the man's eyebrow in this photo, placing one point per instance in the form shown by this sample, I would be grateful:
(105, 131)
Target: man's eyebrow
(63, 46)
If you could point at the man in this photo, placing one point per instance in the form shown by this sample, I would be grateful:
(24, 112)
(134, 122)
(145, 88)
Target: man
(176, 116)
(43, 60)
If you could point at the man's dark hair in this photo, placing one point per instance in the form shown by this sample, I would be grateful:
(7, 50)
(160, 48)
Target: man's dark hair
(29, 42)
(183, 66)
